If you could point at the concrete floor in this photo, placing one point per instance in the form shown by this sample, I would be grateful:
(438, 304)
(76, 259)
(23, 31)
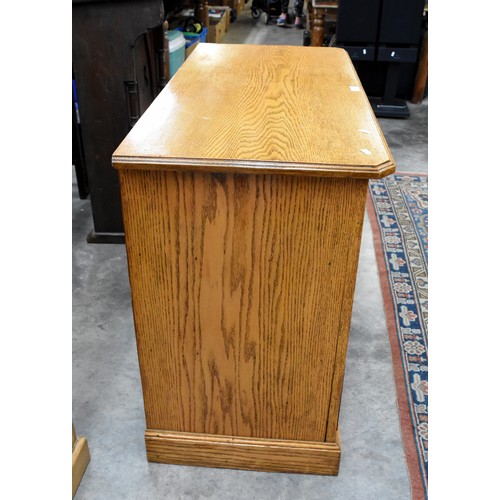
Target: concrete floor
(107, 397)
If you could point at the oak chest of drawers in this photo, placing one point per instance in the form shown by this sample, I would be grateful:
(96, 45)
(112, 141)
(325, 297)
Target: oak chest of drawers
(243, 190)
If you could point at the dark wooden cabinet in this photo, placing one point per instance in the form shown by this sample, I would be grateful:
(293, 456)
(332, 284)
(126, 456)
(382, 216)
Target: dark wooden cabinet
(116, 75)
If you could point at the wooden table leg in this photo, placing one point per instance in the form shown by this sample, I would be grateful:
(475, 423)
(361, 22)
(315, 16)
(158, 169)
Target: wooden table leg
(421, 78)
(202, 12)
(318, 31)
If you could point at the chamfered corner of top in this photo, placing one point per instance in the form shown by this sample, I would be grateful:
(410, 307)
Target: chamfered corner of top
(384, 169)
(342, 51)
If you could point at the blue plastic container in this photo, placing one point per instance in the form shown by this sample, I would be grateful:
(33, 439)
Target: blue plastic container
(177, 50)
(192, 37)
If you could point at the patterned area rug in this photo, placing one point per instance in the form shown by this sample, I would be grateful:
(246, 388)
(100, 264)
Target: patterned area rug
(398, 215)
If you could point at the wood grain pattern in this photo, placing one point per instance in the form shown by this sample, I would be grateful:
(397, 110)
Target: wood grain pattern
(271, 455)
(344, 324)
(240, 287)
(286, 110)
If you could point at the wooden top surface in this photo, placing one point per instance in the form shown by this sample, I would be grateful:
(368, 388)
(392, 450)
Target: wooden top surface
(261, 109)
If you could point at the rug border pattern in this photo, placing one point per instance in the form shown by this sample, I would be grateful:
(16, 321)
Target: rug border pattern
(414, 458)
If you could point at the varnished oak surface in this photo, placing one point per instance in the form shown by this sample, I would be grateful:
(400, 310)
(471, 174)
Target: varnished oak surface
(270, 455)
(243, 191)
(242, 290)
(261, 109)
